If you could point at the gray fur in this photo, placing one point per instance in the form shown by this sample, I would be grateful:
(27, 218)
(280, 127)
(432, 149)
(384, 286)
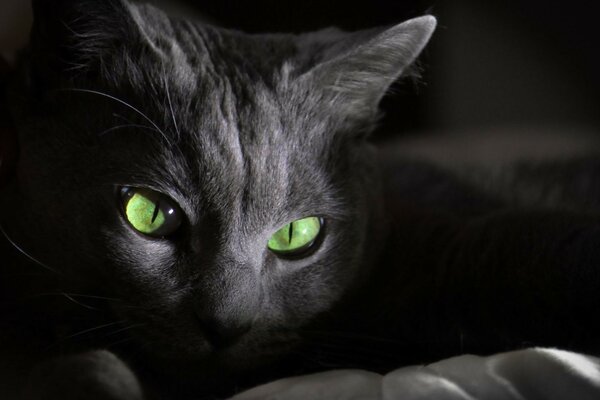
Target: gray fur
(98, 375)
(246, 133)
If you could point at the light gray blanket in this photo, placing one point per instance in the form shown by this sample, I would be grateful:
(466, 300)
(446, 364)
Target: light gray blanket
(532, 374)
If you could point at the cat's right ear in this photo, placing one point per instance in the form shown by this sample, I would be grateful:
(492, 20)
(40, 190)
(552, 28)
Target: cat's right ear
(74, 37)
(363, 65)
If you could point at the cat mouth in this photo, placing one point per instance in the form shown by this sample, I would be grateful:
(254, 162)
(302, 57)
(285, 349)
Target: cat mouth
(188, 362)
(184, 341)
(176, 336)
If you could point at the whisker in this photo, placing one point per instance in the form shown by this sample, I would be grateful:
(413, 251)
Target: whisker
(79, 303)
(73, 298)
(94, 329)
(130, 123)
(124, 126)
(125, 104)
(171, 107)
(119, 116)
(73, 295)
(23, 252)
(125, 329)
(88, 296)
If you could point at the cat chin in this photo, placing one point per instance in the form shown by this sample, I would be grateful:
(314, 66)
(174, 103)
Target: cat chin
(186, 343)
(214, 364)
(197, 356)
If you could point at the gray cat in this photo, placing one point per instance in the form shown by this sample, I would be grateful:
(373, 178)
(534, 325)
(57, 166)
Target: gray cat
(215, 185)
(195, 210)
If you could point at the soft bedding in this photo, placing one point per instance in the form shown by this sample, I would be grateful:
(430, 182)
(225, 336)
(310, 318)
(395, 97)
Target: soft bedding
(531, 374)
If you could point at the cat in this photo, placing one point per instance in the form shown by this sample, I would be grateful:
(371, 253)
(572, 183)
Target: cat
(195, 210)
(237, 136)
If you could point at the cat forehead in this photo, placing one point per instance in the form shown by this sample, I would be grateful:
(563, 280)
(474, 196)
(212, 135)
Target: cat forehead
(221, 106)
(195, 49)
(244, 145)
(230, 108)
(211, 74)
(266, 138)
(217, 85)
(231, 112)
(215, 89)
(181, 69)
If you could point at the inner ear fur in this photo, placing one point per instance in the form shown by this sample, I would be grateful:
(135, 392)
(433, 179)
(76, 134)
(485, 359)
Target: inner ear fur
(360, 75)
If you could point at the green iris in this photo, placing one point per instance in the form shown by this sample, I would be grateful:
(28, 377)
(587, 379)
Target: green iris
(295, 237)
(150, 212)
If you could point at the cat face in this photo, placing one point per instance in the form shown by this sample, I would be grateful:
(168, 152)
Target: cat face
(219, 183)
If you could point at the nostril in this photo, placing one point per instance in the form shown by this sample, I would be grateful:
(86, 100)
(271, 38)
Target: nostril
(223, 333)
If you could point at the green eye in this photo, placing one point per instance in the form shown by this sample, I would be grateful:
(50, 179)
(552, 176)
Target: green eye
(296, 237)
(150, 212)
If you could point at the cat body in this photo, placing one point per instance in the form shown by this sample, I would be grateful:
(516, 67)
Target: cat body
(240, 136)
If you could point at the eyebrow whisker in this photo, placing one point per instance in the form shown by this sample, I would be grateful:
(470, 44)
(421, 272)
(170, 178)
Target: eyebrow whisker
(114, 128)
(171, 107)
(165, 137)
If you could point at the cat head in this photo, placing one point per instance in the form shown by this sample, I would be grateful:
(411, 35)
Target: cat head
(219, 183)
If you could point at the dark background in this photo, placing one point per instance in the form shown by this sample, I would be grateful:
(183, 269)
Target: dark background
(492, 63)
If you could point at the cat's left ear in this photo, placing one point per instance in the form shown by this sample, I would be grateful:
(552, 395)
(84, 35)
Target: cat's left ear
(70, 37)
(361, 74)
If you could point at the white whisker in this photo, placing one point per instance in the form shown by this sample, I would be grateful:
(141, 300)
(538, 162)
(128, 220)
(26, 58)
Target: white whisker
(79, 303)
(171, 107)
(92, 330)
(127, 105)
(127, 328)
(95, 297)
(124, 126)
(30, 257)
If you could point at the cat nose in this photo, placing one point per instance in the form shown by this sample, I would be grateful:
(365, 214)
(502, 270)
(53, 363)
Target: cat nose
(222, 333)
(226, 301)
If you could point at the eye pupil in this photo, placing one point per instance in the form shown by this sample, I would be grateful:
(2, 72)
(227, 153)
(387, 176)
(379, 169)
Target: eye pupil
(149, 212)
(156, 210)
(295, 238)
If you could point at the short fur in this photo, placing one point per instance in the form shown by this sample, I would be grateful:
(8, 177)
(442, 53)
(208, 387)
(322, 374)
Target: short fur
(247, 133)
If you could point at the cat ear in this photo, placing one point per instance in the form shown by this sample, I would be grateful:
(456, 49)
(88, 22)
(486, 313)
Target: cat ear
(78, 35)
(362, 73)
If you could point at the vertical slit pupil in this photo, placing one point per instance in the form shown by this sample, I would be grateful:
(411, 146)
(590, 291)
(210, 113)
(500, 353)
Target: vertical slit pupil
(156, 210)
(290, 233)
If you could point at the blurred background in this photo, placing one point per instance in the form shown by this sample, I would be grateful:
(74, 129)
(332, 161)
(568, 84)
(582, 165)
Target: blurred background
(493, 63)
